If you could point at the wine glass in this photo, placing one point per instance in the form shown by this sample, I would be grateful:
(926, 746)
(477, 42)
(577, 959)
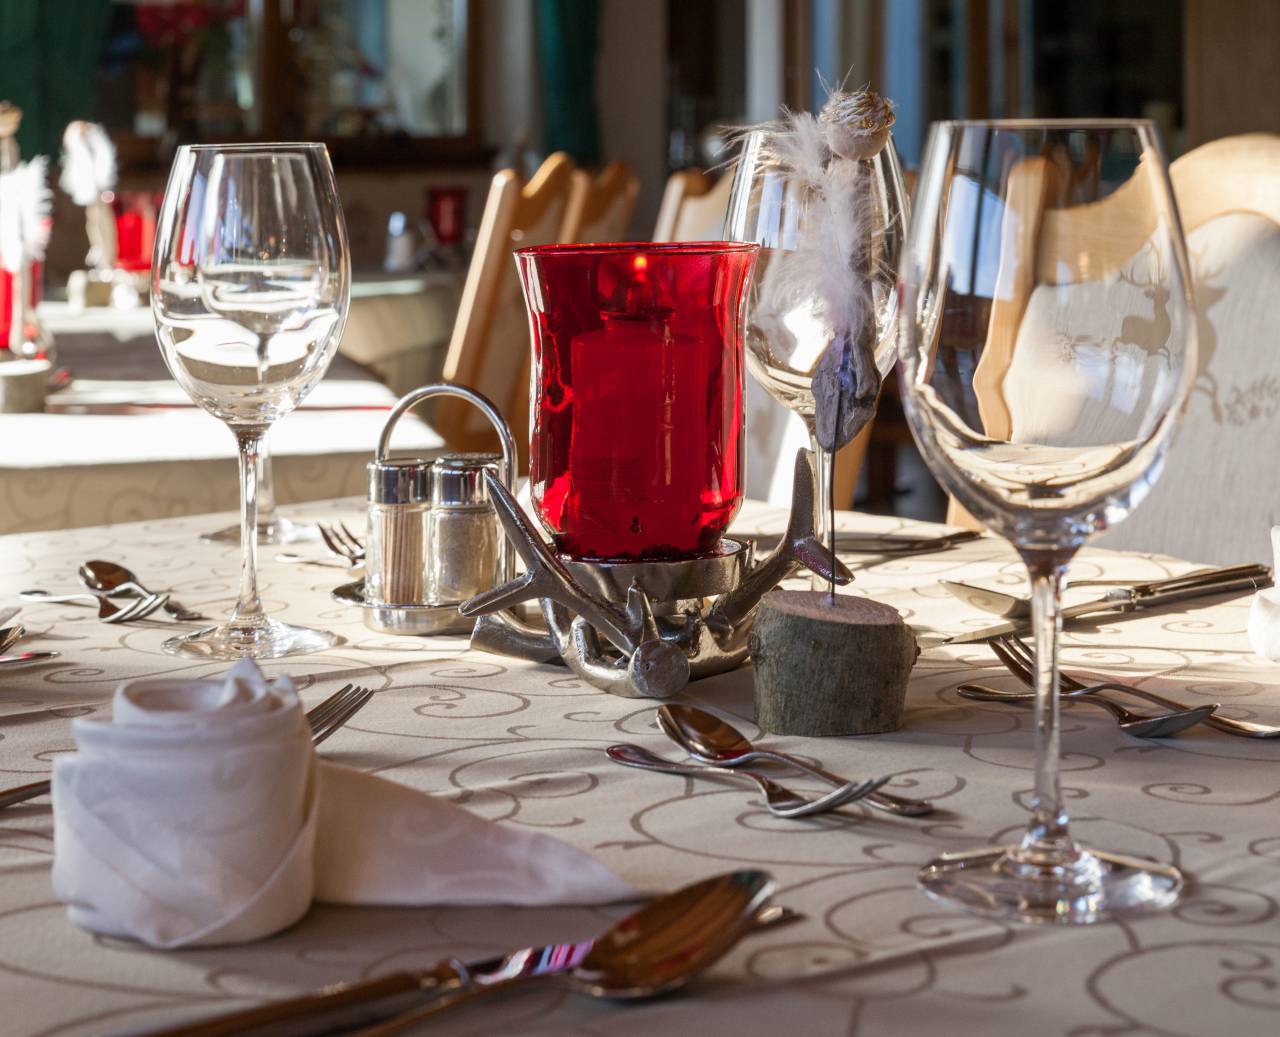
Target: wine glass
(785, 341)
(250, 287)
(273, 528)
(1048, 347)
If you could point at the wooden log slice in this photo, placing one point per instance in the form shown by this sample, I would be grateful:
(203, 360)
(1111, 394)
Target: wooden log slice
(829, 668)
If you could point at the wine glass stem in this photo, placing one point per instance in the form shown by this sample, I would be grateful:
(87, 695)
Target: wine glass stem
(250, 441)
(823, 474)
(1047, 837)
(266, 492)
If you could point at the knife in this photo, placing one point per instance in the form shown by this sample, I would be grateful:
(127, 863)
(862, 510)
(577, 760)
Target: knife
(1202, 583)
(26, 657)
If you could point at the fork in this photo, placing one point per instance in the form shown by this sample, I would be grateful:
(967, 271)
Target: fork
(1161, 726)
(107, 612)
(1020, 662)
(342, 542)
(781, 801)
(324, 720)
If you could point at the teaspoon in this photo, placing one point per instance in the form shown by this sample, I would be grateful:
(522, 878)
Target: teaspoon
(706, 737)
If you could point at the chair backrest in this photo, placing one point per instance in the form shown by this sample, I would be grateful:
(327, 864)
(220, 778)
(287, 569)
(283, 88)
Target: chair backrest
(693, 207)
(489, 349)
(1219, 496)
(600, 209)
(1213, 502)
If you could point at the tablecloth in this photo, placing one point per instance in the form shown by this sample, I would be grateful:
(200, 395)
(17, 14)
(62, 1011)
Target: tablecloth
(523, 744)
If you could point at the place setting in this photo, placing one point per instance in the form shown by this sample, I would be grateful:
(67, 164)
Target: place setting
(798, 611)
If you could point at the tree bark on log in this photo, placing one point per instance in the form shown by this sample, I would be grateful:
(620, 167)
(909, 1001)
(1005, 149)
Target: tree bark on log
(824, 668)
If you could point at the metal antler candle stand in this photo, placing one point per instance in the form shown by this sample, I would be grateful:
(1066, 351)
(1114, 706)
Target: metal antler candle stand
(644, 629)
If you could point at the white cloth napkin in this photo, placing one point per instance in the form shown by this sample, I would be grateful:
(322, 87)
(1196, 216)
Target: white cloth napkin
(199, 815)
(1264, 612)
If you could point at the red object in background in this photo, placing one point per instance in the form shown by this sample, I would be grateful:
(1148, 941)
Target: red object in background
(6, 298)
(637, 436)
(447, 212)
(135, 228)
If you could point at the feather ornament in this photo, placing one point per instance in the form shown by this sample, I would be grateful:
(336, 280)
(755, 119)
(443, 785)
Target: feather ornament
(88, 162)
(825, 274)
(25, 213)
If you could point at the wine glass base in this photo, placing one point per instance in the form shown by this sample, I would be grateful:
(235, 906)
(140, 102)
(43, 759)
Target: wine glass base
(1094, 887)
(268, 639)
(281, 531)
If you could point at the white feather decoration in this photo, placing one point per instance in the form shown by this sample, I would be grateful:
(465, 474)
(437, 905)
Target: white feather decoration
(828, 273)
(25, 207)
(88, 162)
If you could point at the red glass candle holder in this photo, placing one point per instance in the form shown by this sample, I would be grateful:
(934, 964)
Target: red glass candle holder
(637, 436)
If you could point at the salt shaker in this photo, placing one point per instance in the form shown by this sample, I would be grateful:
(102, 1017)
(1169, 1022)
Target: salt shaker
(463, 541)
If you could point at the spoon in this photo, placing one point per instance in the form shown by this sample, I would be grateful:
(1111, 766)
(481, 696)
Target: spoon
(114, 579)
(1161, 726)
(10, 636)
(782, 802)
(652, 951)
(707, 738)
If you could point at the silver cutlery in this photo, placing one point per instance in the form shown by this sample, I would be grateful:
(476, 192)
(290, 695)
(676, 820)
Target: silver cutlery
(886, 544)
(781, 801)
(711, 740)
(342, 542)
(25, 657)
(1019, 660)
(116, 581)
(324, 719)
(10, 636)
(1131, 598)
(107, 611)
(1161, 726)
(652, 951)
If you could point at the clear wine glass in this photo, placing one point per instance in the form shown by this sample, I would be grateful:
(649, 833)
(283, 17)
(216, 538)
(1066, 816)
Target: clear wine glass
(786, 339)
(273, 528)
(250, 287)
(1048, 346)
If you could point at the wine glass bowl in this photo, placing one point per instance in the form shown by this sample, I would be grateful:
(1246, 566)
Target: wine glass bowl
(787, 332)
(250, 286)
(1047, 350)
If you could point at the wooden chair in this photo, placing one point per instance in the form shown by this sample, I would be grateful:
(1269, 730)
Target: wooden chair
(489, 349)
(1228, 194)
(600, 209)
(693, 207)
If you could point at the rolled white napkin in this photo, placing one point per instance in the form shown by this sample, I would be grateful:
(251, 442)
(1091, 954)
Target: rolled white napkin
(198, 815)
(1264, 612)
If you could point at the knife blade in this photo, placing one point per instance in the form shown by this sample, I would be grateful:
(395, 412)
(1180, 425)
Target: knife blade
(1202, 583)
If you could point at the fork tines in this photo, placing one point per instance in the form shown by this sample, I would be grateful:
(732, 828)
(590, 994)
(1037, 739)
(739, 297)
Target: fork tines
(341, 541)
(336, 710)
(140, 608)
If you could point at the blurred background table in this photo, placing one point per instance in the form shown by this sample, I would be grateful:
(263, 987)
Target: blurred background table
(123, 442)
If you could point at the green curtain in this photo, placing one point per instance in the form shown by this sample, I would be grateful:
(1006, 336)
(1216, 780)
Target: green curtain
(49, 54)
(568, 37)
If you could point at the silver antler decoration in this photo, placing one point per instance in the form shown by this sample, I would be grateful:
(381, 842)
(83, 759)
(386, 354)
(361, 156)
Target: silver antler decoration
(648, 655)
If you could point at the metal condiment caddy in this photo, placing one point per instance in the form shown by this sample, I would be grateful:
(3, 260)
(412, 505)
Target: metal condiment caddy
(433, 538)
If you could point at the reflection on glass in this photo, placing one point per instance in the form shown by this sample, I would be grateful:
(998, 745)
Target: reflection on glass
(1047, 348)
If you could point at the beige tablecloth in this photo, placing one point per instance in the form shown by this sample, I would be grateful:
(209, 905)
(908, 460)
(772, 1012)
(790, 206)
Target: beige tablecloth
(524, 745)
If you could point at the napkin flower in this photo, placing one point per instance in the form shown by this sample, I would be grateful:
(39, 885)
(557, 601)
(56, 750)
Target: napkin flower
(199, 815)
(1264, 612)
